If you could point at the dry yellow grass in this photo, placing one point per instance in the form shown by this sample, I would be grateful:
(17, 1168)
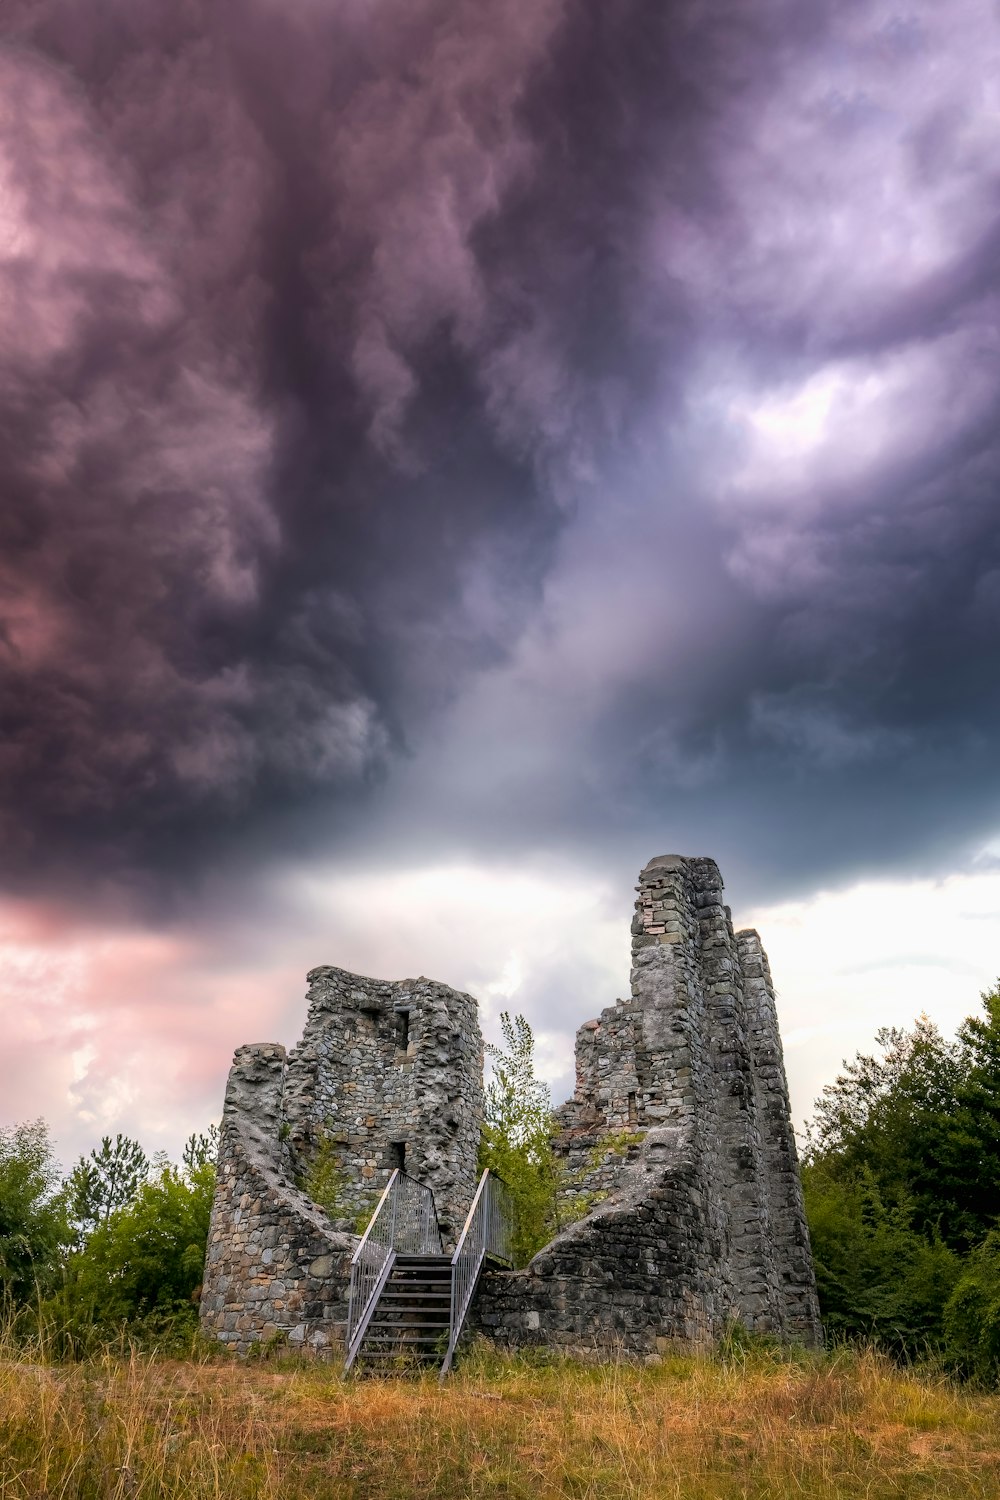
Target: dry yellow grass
(695, 1428)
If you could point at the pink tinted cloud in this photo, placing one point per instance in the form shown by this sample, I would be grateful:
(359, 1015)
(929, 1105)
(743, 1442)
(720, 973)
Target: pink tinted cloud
(115, 1028)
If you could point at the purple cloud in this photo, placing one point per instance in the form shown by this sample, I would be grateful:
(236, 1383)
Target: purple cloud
(534, 425)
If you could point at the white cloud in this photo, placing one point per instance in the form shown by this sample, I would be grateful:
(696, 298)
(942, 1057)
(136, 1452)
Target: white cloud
(876, 954)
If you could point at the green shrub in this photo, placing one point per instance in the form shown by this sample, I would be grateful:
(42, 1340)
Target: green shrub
(34, 1218)
(972, 1315)
(140, 1269)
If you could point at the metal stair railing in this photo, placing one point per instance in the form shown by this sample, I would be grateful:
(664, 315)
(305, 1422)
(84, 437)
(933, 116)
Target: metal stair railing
(487, 1232)
(404, 1223)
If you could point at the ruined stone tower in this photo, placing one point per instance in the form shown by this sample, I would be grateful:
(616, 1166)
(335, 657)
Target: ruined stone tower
(680, 1119)
(678, 1135)
(387, 1075)
(392, 1076)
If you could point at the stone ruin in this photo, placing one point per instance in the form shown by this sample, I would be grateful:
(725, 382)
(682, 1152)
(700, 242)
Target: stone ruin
(678, 1134)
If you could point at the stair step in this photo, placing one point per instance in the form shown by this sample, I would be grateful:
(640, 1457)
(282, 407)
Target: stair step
(392, 1365)
(393, 1353)
(401, 1343)
(424, 1289)
(432, 1297)
(431, 1287)
(420, 1274)
(421, 1278)
(407, 1327)
(440, 1314)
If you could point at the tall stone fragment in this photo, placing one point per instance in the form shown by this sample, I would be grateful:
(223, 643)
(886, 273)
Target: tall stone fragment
(789, 1233)
(392, 1075)
(680, 1125)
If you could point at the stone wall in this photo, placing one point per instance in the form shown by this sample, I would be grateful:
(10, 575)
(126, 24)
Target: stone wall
(275, 1265)
(392, 1075)
(680, 1125)
(386, 1074)
(788, 1229)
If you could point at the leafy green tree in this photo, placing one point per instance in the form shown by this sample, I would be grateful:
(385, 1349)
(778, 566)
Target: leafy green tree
(977, 1127)
(878, 1276)
(201, 1149)
(924, 1120)
(972, 1314)
(34, 1225)
(142, 1265)
(902, 1185)
(106, 1180)
(896, 1117)
(516, 1141)
(324, 1179)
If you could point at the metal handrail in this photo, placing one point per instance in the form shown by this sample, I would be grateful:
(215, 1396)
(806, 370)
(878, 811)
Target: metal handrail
(405, 1222)
(487, 1232)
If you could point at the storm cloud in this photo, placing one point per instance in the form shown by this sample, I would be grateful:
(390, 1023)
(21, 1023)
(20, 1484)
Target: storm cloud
(524, 425)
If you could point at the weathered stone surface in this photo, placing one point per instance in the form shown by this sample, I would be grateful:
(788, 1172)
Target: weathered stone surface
(387, 1091)
(679, 1126)
(680, 1117)
(265, 1236)
(393, 1072)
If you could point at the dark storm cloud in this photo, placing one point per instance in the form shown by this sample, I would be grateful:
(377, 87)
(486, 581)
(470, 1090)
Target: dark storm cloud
(314, 317)
(595, 404)
(775, 635)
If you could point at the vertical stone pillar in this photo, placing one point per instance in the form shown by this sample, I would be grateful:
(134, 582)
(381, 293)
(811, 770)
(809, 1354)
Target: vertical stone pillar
(789, 1230)
(744, 1177)
(680, 906)
(667, 940)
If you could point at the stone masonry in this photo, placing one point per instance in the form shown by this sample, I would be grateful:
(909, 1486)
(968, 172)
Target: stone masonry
(678, 1136)
(386, 1075)
(680, 1126)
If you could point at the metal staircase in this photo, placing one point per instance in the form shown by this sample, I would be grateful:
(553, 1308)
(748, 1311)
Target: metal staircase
(408, 1299)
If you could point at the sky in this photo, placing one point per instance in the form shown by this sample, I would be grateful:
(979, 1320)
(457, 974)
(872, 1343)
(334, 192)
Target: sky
(450, 454)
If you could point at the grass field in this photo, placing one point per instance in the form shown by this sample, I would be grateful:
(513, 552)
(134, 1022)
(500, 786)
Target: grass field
(749, 1426)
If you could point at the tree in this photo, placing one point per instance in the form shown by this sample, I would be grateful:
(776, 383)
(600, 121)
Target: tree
(105, 1181)
(142, 1264)
(516, 1141)
(902, 1186)
(878, 1277)
(201, 1149)
(34, 1226)
(978, 1120)
(972, 1314)
(897, 1117)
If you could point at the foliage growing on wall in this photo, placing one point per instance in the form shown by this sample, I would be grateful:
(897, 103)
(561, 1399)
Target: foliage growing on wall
(517, 1140)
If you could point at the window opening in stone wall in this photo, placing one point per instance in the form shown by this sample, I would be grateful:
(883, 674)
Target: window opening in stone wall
(397, 1155)
(402, 1029)
(633, 1113)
